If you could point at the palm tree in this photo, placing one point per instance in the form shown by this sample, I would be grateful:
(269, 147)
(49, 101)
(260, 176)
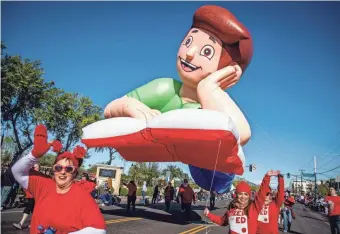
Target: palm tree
(112, 153)
(176, 172)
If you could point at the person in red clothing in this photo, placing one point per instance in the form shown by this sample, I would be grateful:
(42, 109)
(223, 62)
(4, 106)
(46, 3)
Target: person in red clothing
(288, 213)
(30, 205)
(269, 215)
(242, 213)
(132, 195)
(169, 196)
(333, 201)
(187, 197)
(87, 184)
(60, 203)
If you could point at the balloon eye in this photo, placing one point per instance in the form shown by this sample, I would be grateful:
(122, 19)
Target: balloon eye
(188, 41)
(207, 51)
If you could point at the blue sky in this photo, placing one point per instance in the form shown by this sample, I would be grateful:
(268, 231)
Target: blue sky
(290, 91)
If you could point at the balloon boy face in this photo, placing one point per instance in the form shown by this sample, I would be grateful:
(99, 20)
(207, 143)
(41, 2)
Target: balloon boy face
(198, 56)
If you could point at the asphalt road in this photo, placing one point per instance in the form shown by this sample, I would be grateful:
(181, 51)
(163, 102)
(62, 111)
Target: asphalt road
(154, 219)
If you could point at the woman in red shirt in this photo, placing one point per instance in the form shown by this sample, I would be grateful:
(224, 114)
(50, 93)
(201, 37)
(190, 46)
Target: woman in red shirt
(242, 213)
(60, 203)
(333, 201)
(30, 205)
(267, 219)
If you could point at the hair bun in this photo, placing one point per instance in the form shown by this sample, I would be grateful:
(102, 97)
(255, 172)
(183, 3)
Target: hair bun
(57, 146)
(79, 152)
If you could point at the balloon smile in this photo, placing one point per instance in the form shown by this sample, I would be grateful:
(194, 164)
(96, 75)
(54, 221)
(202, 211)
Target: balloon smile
(186, 66)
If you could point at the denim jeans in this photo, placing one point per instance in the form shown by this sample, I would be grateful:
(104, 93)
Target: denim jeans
(287, 219)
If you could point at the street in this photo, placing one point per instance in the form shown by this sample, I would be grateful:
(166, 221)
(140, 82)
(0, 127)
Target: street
(154, 219)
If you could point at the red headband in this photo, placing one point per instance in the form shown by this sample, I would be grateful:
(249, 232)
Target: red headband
(77, 154)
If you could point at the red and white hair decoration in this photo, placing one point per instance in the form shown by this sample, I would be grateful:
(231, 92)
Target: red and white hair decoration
(75, 156)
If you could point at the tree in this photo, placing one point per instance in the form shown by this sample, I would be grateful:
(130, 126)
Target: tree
(22, 90)
(8, 149)
(152, 172)
(135, 172)
(112, 152)
(27, 100)
(143, 171)
(125, 178)
(323, 189)
(47, 160)
(65, 114)
(176, 172)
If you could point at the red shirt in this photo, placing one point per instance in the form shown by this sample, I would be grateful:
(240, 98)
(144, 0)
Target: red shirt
(87, 185)
(187, 194)
(238, 221)
(336, 201)
(68, 212)
(269, 215)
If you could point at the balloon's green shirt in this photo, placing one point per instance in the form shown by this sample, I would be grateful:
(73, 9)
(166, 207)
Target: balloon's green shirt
(162, 94)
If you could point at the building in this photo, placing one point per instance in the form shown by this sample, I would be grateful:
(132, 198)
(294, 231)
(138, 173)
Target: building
(303, 187)
(104, 172)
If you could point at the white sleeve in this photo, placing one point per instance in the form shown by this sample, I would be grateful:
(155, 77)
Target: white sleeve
(21, 169)
(89, 230)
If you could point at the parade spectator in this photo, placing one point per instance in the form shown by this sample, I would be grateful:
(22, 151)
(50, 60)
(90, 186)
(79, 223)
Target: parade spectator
(155, 194)
(59, 202)
(288, 213)
(187, 197)
(144, 190)
(267, 222)
(7, 182)
(12, 196)
(131, 198)
(109, 185)
(179, 198)
(30, 205)
(333, 201)
(212, 198)
(241, 214)
(169, 195)
(87, 184)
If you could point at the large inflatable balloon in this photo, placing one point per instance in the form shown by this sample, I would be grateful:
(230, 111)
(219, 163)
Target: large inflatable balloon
(208, 180)
(194, 121)
(203, 138)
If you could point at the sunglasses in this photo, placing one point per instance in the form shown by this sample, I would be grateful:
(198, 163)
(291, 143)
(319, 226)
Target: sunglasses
(68, 169)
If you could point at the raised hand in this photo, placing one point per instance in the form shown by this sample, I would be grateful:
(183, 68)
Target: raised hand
(41, 145)
(223, 79)
(273, 173)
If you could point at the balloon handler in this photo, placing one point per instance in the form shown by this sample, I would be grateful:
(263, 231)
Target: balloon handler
(193, 120)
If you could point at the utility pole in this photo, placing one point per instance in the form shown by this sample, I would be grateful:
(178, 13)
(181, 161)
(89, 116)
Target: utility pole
(301, 181)
(315, 188)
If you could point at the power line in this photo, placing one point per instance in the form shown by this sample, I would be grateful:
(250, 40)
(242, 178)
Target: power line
(335, 157)
(329, 170)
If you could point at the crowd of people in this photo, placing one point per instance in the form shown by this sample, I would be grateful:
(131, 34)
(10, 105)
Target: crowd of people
(247, 212)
